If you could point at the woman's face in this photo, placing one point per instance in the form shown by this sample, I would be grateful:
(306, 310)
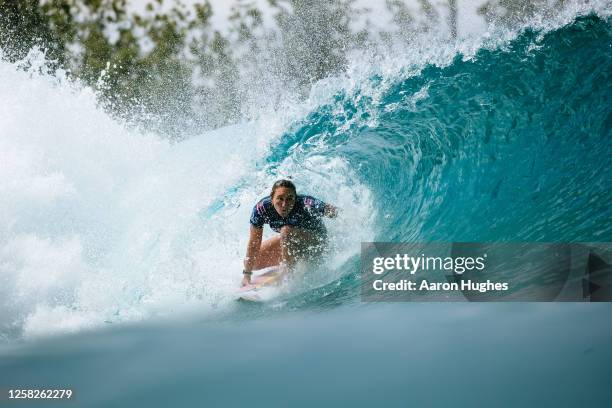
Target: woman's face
(283, 201)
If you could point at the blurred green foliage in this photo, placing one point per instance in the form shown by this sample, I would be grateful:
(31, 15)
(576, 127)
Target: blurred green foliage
(164, 66)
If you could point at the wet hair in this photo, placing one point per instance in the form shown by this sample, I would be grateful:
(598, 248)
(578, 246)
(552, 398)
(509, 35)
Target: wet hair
(283, 183)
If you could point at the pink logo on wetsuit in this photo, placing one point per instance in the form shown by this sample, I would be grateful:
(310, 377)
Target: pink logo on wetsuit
(260, 208)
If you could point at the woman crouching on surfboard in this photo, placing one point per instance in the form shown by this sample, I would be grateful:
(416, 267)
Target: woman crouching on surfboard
(297, 219)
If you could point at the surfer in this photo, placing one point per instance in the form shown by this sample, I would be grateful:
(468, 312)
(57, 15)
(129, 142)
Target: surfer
(298, 220)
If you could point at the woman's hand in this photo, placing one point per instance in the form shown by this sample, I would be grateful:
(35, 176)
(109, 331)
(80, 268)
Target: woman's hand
(330, 211)
(246, 280)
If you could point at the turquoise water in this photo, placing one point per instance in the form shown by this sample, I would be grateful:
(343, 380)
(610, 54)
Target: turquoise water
(512, 143)
(547, 355)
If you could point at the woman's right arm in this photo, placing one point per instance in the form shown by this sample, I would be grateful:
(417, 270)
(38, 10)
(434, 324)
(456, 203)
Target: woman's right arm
(255, 237)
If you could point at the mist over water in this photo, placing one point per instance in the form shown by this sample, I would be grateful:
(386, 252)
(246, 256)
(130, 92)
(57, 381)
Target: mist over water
(506, 137)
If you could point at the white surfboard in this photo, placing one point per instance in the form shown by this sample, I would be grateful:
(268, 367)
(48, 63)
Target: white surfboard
(264, 285)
